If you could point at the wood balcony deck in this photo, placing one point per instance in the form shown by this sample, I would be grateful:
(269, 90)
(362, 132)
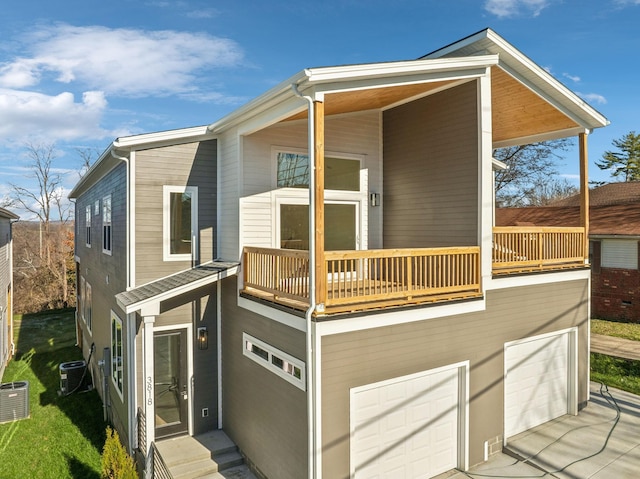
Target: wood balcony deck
(375, 279)
(529, 249)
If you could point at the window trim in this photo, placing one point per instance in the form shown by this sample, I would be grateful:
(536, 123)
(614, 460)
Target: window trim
(88, 307)
(116, 321)
(166, 218)
(87, 226)
(81, 297)
(107, 230)
(248, 341)
(276, 150)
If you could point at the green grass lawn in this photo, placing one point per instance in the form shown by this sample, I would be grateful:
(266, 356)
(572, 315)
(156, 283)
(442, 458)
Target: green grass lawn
(617, 372)
(64, 436)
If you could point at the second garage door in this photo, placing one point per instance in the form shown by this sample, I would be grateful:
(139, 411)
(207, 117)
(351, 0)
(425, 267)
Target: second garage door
(406, 427)
(537, 386)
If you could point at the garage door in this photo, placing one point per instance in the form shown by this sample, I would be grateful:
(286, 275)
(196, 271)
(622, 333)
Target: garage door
(537, 382)
(406, 427)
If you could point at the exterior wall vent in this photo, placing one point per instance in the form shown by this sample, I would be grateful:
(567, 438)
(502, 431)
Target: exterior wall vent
(14, 401)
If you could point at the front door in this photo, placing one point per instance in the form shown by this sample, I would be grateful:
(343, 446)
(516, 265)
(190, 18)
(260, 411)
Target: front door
(171, 383)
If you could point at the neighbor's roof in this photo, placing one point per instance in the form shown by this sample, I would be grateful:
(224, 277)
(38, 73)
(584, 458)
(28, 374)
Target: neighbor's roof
(8, 214)
(604, 220)
(610, 194)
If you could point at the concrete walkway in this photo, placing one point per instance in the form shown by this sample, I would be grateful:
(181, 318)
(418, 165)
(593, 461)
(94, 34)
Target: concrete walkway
(618, 347)
(602, 442)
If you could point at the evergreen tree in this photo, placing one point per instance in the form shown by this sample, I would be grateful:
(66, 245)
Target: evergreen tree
(626, 161)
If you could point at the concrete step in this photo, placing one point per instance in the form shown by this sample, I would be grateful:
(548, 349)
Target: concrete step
(206, 467)
(201, 456)
(238, 472)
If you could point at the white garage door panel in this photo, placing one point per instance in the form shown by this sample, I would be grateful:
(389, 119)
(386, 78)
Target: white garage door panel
(537, 384)
(405, 428)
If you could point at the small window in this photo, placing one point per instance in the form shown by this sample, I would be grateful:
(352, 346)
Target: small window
(87, 224)
(180, 223)
(339, 173)
(88, 307)
(106, 224)
(116, 352)
(287, 367)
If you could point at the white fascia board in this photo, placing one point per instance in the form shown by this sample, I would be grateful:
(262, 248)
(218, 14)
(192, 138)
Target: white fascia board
(259, 104)
(160, 138)
(554, 135)
(319, 81)
(401, 70)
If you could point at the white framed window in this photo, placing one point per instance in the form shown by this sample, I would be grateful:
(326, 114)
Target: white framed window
(619, 253)
(96, 208)
(342, 173)
(284, 365)
(106, 224)
(87, 226)
(81, 297)
(88, 307)
(116, 353)
(180, 223)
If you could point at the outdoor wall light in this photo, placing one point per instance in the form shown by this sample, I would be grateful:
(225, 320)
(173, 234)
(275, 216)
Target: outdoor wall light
(203, 338)
(374, 199)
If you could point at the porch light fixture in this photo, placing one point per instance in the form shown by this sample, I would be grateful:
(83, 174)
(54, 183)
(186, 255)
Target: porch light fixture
(203, 339)
(374, 199)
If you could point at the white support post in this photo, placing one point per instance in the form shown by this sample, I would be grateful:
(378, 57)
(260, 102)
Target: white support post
(149, 394)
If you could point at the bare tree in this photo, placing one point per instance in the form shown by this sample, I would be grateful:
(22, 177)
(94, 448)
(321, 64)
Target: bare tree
(42, 271)
(87, 158)
(528, 168)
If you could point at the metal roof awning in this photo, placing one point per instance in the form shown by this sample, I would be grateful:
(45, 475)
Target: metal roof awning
(146, 299)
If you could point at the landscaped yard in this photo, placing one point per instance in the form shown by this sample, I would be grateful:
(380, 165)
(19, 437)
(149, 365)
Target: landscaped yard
(617, 372)
(64, 436)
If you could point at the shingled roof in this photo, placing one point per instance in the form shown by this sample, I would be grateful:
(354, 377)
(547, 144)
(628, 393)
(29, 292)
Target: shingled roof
(614, 210)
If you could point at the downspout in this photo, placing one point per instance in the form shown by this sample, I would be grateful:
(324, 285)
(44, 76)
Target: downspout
(131, 409)
(311, 413)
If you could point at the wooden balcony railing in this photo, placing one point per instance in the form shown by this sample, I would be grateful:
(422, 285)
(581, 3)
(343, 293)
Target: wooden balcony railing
(359, 280)
(521, 249)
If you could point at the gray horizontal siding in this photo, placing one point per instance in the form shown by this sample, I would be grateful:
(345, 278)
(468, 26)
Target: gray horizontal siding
(192, 164)
(264, 414)
(431, 171)
(355, 359)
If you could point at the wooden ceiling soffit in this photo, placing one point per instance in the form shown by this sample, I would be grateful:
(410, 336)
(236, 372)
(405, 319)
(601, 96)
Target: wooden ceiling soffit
(373, 98)
(518, 112)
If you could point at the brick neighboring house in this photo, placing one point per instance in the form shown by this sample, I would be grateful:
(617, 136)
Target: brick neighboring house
(614, 234)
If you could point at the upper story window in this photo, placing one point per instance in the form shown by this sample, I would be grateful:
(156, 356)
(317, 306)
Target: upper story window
(106, 224)
(180, 223)
(87, 223)
(116, 352)
(619, 253)
(340, 173)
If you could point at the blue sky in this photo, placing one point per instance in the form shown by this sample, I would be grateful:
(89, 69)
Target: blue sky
(81, 73)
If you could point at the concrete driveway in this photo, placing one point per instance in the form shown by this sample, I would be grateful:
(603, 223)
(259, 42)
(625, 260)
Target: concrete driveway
(599, 443)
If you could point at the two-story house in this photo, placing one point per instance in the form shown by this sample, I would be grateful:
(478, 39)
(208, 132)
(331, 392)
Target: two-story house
(6, 287)
(318, 273)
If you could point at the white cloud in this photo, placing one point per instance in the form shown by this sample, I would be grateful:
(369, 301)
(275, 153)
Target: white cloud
(512, 8)
(124, 62)
(592, 98)
(29, 114)
(571, 77)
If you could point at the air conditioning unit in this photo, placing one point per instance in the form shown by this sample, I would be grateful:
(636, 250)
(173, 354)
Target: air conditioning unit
(14, 401)
(72, 377)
